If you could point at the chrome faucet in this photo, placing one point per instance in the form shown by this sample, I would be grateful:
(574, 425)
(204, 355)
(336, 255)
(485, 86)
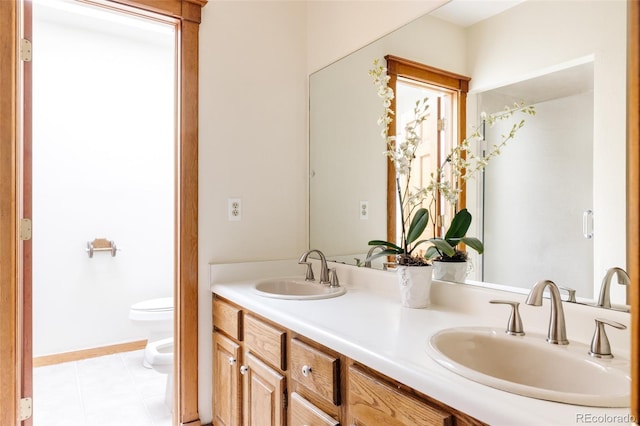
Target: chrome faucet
(600, 347)
(367, 262)
(557, 327)
(605, 290)
(324, 270)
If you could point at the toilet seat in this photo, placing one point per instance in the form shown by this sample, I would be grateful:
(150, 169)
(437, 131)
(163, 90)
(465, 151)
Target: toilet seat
(154, 305)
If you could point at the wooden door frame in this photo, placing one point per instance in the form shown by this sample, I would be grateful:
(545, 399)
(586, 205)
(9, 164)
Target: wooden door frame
(188, 13)
(633, 196)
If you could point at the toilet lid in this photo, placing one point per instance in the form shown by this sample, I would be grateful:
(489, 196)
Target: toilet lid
(155, 305)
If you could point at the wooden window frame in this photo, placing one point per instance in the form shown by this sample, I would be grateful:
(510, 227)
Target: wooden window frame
(399, 67)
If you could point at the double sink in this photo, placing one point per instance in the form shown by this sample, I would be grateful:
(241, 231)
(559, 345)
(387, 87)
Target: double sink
(529, 366)
(523, 365)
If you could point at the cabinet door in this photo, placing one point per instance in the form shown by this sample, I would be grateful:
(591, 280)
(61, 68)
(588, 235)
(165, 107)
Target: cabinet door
(316, 370)
(264, 394)
(266, 341)
(227, 318)
(227, 396)
(374, 402)
(304, 413)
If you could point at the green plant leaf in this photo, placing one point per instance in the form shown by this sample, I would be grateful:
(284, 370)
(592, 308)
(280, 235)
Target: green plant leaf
(388, 252)
(443, 246)
(415, 246)
(384, 243)
(473, 243)
(418, 225)
(432, 252)
(459, 225)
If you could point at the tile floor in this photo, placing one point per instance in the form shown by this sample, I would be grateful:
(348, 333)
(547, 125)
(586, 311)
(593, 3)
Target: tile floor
(112, 390)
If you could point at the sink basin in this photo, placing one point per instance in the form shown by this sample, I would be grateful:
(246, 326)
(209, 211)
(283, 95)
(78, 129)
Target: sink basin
(530, 366)
(296, 289)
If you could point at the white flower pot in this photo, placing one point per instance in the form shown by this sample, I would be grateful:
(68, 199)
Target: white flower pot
(415, 285)
(451, 271)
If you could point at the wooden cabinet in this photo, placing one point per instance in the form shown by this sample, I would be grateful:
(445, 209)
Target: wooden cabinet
(316, 370)
(374, 402)
(266, 341)
(264, 374)
(227, 403)
(264, 394)
(227, 360)
(249, 359)
(227, 318)
(316, 386)
(304, 413)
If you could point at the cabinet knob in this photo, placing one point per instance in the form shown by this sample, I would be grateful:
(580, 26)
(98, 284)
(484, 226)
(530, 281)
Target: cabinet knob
(244, 369)
(306, 370)
(232, 360)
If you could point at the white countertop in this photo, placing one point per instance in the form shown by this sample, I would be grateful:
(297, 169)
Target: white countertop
(369, 325)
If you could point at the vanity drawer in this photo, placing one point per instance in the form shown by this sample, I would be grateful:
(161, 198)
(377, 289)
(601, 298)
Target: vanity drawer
(266, 341)
(316, 370)
(372, 401)
(305, 413)
(227, 318)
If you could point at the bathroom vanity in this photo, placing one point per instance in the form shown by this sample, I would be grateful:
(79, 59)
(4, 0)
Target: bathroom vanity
(361, 358)
(262, 370)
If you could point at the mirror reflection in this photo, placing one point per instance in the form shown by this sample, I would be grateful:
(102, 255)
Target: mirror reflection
(559, 181)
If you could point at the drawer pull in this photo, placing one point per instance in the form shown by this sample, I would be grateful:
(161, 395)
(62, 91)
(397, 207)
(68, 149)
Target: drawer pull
(232, 360)
(306, 370)
(244, 369)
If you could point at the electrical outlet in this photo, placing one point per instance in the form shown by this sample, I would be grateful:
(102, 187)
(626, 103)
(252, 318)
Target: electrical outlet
(364, 210)
(235, 209)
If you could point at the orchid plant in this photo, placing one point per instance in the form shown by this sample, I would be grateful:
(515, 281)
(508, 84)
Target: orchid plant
(461, 164)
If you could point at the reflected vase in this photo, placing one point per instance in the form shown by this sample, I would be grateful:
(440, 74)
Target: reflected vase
(451, 271)
(415, 285)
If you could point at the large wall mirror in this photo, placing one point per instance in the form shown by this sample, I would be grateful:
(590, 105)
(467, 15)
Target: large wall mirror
(552, 205)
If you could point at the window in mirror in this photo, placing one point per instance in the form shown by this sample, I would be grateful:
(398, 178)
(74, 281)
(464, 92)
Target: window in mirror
(446, 92)
(438, 137)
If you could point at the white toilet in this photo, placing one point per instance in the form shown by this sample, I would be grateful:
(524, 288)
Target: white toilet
(156, 315)
(159, 355)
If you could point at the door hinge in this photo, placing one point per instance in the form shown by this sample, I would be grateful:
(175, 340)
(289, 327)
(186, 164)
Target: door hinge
(25, 50)
(25, 409)
(25, 229)
(441, 124)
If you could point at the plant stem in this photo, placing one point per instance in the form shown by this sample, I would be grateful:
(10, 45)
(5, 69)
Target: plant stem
(404, 235)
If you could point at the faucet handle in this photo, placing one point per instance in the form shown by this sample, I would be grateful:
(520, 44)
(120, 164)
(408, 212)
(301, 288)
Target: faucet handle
(600, 347)
(571, 292)
(333, 278)
(514, 326)
(309, 275)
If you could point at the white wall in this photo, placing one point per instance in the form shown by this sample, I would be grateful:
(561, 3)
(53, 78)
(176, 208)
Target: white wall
(337, 28)
(253, 144)
(589, 28)
(254, 63)
(95, 179)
